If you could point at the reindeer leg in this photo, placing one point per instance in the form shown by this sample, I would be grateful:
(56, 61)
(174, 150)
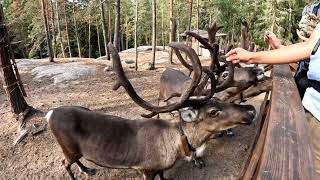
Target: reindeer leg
(67, 166)
(85, 170)
(161, 175)
(70, 158)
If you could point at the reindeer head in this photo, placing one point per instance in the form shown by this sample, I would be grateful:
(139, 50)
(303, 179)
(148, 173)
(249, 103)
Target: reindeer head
(217, 116)
(244, 75)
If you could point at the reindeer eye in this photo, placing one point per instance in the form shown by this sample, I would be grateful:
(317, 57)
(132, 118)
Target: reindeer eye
(214, 113)
(225, 75)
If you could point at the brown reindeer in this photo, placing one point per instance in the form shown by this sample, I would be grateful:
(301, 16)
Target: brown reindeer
(148, 145)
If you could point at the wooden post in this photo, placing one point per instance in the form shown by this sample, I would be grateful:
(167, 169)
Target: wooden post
(12, 84)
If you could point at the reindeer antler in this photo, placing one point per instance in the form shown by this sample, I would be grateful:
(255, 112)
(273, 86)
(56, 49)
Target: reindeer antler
(184, 101)
(212, 31)
(214, 66)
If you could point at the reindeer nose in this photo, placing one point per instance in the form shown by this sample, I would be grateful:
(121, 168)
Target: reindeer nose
(251, 112)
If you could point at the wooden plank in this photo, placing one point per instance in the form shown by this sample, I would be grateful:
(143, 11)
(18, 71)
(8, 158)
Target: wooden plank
(287, 152)
(258, 145)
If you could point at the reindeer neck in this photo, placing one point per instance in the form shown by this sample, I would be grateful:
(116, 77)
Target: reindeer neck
(195, 134)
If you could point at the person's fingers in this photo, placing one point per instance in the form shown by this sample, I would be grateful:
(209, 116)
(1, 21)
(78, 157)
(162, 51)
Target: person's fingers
(232, 57)
(236, 61)
(233, 51)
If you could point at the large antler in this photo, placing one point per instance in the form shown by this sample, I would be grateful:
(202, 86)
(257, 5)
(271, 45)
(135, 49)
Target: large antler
(212, 31)
(212, 48)
(184, 99)
(214, 53)
(204, 81)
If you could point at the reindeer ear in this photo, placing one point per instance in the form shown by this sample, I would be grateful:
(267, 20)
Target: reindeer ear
(189, 115)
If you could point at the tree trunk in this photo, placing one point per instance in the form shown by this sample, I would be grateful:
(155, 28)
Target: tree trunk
(178, 32)
(136, 34)
(98, 36)
(45, 22)
(122, 41)
(67, 29)
(104, 29)
(162, 27)
(12, 83)
(189, 39)
(173, 36)
(109, 22)
(53, 29)
(116, 40)
(171, 29)
(76, 28)
(190, 14)
(59, 31)
(127, 33)
(245, 35)
(154, 32)
(198, 14)
(89, 37)
(89, 34)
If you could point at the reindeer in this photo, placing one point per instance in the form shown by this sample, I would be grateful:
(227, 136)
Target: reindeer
(230, 80)
(148, 145)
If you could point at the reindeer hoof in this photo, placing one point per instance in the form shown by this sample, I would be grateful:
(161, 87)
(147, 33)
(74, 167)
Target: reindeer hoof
(91, 172)
(199, 162)
(88, 171)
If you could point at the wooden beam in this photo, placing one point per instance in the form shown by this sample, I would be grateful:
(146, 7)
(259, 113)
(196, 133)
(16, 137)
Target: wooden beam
(287, 151)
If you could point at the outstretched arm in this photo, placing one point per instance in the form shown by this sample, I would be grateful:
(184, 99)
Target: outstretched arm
(287, 54)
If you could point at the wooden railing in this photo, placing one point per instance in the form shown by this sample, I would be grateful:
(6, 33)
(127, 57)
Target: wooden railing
(283, 149)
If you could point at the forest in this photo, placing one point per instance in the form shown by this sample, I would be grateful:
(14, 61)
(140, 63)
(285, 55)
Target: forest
(82, 28)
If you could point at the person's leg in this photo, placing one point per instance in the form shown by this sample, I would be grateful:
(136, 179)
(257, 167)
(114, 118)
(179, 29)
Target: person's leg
(315, 138)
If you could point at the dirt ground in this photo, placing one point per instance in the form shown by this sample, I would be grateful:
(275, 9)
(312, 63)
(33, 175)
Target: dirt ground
(39, 157)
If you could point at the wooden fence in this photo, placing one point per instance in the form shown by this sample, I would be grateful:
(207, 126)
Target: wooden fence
(283, 148)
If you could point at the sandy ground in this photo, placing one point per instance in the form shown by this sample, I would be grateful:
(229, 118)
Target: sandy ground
(39, 157)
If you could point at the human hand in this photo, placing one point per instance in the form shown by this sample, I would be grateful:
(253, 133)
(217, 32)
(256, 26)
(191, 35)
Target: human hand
(239, 55)
(272, 40)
